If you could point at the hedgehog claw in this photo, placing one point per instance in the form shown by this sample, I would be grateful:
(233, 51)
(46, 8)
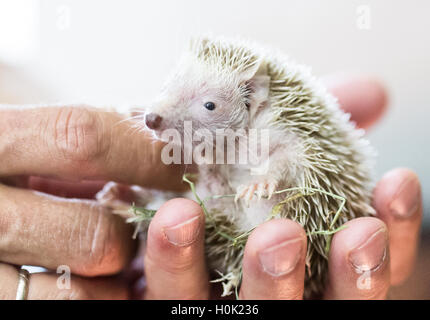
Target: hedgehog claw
(109, 194)
(271, 190)
(260, 189)
(118, 197)
(240, 192)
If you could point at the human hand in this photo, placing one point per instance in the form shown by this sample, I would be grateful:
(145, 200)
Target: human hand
(384, 247)
(52, 150)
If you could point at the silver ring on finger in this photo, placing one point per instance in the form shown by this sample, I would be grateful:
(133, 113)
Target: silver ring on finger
(23, 283)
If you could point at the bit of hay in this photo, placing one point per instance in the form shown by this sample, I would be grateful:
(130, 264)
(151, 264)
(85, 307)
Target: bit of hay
(230, 243)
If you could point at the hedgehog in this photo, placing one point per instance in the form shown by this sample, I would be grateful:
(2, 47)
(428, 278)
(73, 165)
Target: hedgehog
(317, 168)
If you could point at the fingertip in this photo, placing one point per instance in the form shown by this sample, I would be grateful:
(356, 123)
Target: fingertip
(272, 233)
(269, 240)
(178, 222)
(175, 252)
(359, 253)
(397, 199)
(177, 210)
(274, 261)
(356, 235)
(398, 195)
(356, 231)
(363, 96)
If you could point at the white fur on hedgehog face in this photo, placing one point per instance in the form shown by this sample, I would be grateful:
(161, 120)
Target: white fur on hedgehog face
(188, 92)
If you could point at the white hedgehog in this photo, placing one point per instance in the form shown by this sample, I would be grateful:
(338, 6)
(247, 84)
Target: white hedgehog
(314, 151)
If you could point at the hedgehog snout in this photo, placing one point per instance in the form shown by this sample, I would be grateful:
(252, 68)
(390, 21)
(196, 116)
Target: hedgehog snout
(153, 120)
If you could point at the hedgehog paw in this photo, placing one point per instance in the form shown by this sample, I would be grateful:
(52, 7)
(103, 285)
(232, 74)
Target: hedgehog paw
(115, 195)
(260, 189)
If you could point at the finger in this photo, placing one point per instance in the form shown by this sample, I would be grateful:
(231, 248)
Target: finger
(174, 260)
(62, 188)
(359, 261)
(364, 97)
(37, 229)
(274, 261)
(46, 286)
(398, 202)
(80, 143)
(66, 189)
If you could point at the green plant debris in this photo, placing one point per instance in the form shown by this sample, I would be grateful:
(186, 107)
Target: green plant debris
(142, 216)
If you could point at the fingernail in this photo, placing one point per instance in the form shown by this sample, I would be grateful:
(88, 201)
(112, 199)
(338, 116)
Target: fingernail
(184, 233)
(282, 258)
(370, 255)
(407, 199)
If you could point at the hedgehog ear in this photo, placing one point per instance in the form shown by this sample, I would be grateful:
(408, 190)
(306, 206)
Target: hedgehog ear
(250, 72)
(260, 90)
(259, 87)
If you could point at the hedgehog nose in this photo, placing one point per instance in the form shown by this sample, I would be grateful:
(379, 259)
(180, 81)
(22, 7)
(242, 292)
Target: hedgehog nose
(153, 120)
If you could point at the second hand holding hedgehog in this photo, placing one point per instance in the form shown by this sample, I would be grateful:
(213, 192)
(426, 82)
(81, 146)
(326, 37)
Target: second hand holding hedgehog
(315, 152)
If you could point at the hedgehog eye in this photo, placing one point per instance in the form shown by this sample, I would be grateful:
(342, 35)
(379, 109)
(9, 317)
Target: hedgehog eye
(247, 95)
(210, 106)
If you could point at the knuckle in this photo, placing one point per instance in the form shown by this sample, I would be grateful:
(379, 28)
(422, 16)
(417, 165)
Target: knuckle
(104, 250)
(10, 222)
(76, 132)
(4, 231)
(8, 274)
